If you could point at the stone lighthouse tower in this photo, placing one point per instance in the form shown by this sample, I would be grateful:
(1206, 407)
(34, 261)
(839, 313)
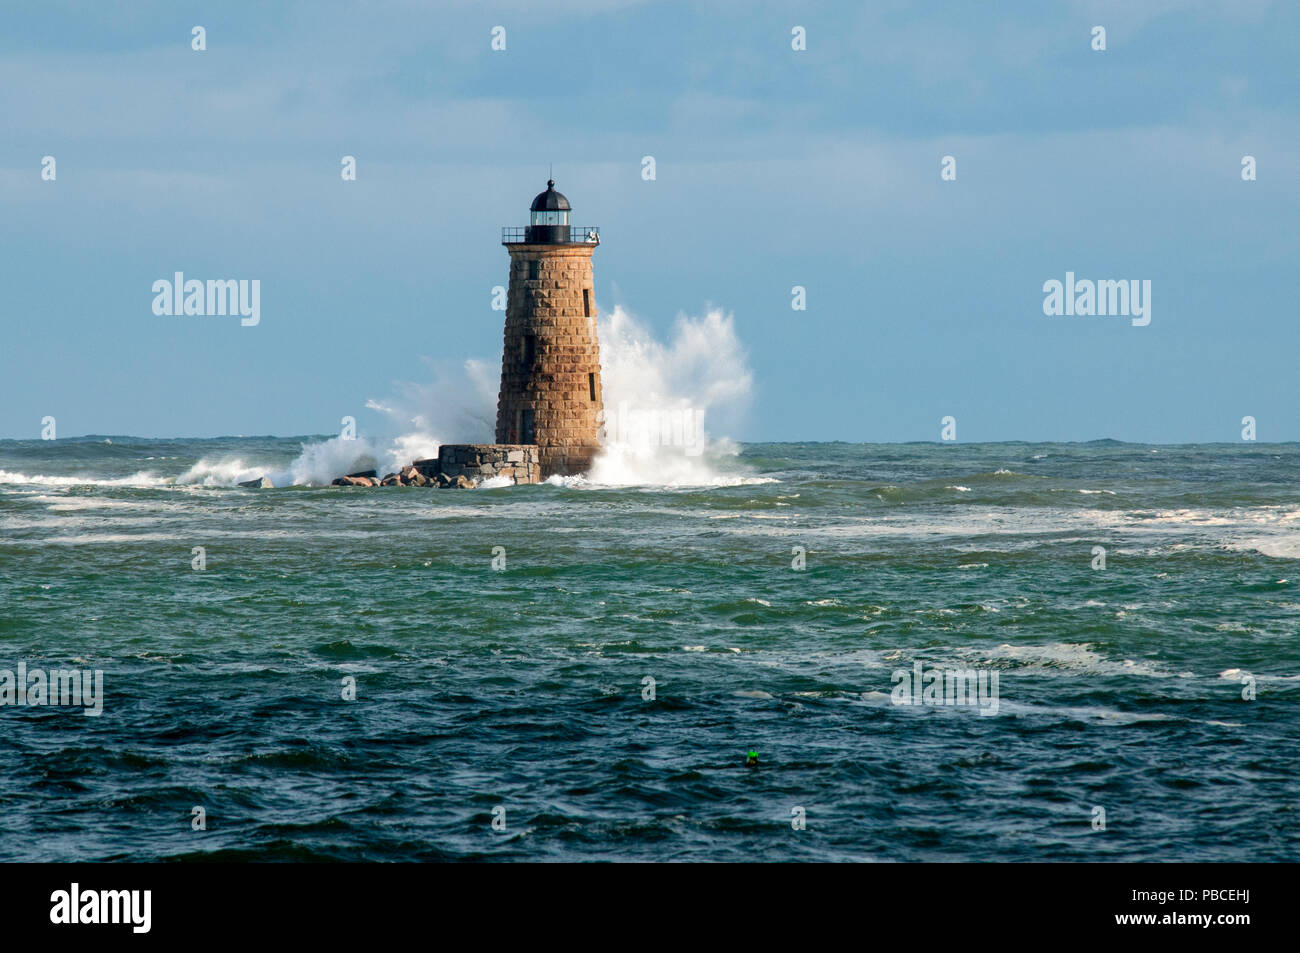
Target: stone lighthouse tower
(550, 368)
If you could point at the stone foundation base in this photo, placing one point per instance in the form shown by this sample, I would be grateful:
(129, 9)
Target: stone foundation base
(477, 462)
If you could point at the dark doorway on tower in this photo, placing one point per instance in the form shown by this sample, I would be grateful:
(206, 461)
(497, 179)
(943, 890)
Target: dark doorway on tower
(527, 434)
(586, 302)
(530, 350)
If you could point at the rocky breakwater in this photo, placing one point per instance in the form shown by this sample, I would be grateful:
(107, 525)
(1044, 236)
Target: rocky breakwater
(460, 466)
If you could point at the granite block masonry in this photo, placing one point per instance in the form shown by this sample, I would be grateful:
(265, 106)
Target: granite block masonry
(477, 462)
(460, 466)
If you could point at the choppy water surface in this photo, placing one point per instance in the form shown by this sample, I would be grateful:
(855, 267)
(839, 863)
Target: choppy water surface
(1119, 688)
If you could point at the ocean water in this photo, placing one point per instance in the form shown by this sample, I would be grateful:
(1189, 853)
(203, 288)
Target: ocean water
(523, 688)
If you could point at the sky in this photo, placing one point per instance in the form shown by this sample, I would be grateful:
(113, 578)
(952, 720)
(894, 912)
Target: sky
(774, 168)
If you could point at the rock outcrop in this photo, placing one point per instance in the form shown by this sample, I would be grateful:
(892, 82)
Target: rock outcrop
(459, 466)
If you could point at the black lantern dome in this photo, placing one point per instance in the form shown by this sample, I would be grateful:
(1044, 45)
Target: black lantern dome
(550, 200)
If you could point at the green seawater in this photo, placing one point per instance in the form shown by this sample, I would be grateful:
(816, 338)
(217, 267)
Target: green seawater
(774, 612)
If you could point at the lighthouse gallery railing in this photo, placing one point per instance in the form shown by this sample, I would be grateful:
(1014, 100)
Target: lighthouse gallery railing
(578, 235)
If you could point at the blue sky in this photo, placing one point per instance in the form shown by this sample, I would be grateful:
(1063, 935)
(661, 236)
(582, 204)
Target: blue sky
(775, 168)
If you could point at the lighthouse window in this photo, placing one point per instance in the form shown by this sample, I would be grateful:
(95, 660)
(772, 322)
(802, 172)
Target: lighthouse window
(530, 348)
(586, 302)
(550, 218)
(591, 386)
(534, 269)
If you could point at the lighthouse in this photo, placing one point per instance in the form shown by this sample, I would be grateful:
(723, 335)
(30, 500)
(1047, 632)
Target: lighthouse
(550, 366)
